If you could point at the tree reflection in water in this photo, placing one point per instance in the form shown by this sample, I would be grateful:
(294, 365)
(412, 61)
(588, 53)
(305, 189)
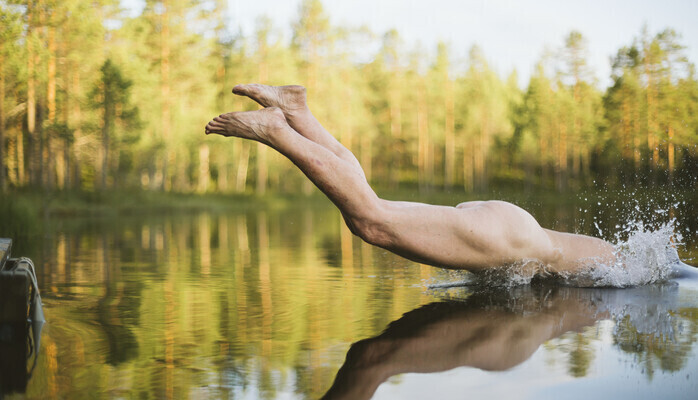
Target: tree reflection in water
(265, 305)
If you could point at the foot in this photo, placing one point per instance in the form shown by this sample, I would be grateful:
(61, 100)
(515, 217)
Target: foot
(260, 125)
(290, 99)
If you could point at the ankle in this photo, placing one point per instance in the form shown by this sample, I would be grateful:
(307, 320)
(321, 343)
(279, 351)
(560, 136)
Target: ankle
(297, 113)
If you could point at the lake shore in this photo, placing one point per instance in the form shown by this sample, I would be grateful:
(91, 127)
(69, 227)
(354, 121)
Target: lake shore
(130, 202)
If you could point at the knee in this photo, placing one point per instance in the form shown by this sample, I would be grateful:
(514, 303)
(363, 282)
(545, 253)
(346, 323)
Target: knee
(375, 234)
(372, 228)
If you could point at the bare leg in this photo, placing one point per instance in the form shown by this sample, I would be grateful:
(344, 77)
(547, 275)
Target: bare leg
(337, 178)
(492, 234)
(292, 101)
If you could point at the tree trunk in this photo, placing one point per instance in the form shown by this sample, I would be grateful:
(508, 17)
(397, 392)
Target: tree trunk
(11, 161)
(543, 146)
(2, 126)
(346, 134)
(561, 174)
(262, 169)
(655, 155)
(31, 90)
(51, 83)
(103, 159)
(222, 181)
(76, 124)
(43, 157)
(449, 142)
(625, 136)
(54, 170)
(468, 162)
(243, 164)
(21, 176)
(481, 158)
(637, 156)
(423, 146)
(181, 181)
(586, 165)
(395, 136)
(651, 120)
(165, 94)
(366, 154)
(63, 151)
(204, 172)
(626, 145)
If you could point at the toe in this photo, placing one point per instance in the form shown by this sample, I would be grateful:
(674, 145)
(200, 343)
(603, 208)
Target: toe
(244, 90)
(213, 125)
(239, 89)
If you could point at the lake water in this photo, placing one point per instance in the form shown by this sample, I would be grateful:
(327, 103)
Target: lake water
(267, 304)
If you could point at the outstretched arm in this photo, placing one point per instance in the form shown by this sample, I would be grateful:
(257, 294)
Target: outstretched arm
(573, 252)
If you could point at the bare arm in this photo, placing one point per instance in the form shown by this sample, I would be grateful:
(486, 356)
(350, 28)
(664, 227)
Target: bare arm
(573, 252)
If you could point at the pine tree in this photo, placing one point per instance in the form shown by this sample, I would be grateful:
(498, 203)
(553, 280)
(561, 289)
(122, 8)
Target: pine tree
(10, 20)
(112, 94)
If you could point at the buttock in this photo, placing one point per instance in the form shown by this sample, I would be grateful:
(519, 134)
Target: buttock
(470, 204)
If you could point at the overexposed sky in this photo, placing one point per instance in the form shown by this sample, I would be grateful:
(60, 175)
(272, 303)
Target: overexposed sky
(512, 34)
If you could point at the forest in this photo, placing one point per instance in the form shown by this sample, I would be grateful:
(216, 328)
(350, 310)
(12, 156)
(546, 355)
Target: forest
(92, 99)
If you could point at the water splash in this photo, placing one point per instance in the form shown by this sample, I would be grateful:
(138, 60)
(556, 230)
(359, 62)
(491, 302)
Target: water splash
(646, 241)
(647, 256)
(508, 276)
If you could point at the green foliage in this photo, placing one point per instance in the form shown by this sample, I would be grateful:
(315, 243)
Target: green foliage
(18, 219)
(131, 97)
(120, 122)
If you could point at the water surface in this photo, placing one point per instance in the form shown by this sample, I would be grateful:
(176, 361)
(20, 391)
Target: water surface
(267, 304)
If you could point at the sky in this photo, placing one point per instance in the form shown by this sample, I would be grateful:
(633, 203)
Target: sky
(513, 34)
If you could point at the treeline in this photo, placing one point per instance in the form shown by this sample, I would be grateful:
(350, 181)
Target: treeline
(92, 99)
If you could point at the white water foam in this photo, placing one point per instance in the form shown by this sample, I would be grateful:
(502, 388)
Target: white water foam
(647, 256)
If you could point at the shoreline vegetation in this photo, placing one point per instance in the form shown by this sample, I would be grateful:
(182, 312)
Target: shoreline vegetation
(26, 214)
(111, 203)
(95, 100)
(23, 212)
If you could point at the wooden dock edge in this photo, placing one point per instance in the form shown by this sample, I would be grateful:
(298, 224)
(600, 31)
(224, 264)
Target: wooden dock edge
(5, 247)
